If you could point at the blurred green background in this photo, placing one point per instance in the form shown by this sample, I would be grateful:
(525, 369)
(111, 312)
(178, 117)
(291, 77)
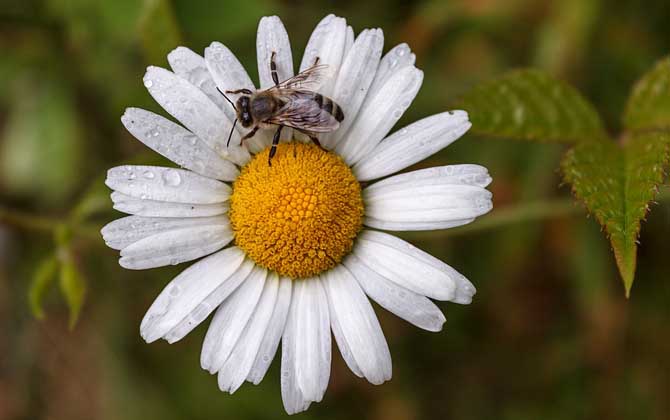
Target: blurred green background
(549, 335)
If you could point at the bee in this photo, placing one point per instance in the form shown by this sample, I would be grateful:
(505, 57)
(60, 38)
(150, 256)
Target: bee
(287, 104)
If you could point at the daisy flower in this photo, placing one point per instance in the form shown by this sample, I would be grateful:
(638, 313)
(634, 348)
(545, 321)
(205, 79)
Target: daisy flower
(292, 251)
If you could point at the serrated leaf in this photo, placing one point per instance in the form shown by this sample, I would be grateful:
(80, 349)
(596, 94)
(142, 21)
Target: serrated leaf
(648, 107)
(44, 275)
(159, 30)
(616, 184)
(531, 105)
(72, 286)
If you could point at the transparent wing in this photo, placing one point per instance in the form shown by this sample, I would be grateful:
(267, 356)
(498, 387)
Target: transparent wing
(303, 112)
(308, 78)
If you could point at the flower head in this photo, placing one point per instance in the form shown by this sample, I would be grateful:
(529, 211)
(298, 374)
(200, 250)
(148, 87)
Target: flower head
(293, 250)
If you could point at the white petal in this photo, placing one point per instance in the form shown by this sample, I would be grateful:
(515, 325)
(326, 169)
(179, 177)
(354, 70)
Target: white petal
(166, 184)
(210, 303)
(327, 42)
(273, 332)
(226, 70)
(229, 74)
(361, 336)
(349, 40)
(464, 174)
(292, 397)
(312, 340)
(412, 144)
(175, 246)
(229, 321)
(177, 144)
(272, 37)
(395, 60)
(183, 297)
(192, 67)
(354, 79)
(446, 200)
(193, 108)
(343, 345)
(410, 306)
(379, 113)
(414, 226)
(411, 268)
(152, 208)
(120, 233)
(239, 364)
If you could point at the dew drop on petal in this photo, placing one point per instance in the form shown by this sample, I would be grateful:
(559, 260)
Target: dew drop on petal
(148, 83)
(149, 175)
(175, 291)
(171, 178)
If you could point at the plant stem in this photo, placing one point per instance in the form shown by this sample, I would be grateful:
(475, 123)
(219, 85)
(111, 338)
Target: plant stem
(47, 224)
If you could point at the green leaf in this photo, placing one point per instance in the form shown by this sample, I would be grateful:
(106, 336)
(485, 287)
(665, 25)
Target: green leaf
(159, 30)
(531, 105)
(648, 107)
(44, 275)
(72, 286)
(616, 184)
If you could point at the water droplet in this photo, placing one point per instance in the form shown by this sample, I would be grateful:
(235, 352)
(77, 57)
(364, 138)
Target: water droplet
(397, 114)
(401, 51)
(175, 291)
(149, 175)
(393, 63)
(155, 133)
(131, 175)
(174, 261)
(198, 166)
(172, 177)
(143, 197)
(148, 83)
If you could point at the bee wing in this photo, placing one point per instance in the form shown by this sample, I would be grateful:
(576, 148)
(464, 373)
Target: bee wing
(308, 78)
(303, 112)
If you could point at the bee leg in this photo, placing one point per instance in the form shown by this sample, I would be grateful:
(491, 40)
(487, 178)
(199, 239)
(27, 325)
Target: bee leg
(316, 60)
(273, 68)
(316, 141)
(235, 92)
(249, 135)
(275, 142)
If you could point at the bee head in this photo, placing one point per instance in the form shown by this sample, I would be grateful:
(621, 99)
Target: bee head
(243, 111)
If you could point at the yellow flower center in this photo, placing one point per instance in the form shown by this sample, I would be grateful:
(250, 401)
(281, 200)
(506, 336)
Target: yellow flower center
(300, 216)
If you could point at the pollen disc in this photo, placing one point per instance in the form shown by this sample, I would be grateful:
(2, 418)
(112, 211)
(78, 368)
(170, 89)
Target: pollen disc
(300, 216)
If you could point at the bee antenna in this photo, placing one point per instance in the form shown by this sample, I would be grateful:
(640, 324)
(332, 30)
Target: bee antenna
(231, 132)
(227, 98)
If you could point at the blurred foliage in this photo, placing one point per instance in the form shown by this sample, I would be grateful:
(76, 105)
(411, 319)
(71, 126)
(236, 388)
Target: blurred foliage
(530, 105)
(549, 334)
